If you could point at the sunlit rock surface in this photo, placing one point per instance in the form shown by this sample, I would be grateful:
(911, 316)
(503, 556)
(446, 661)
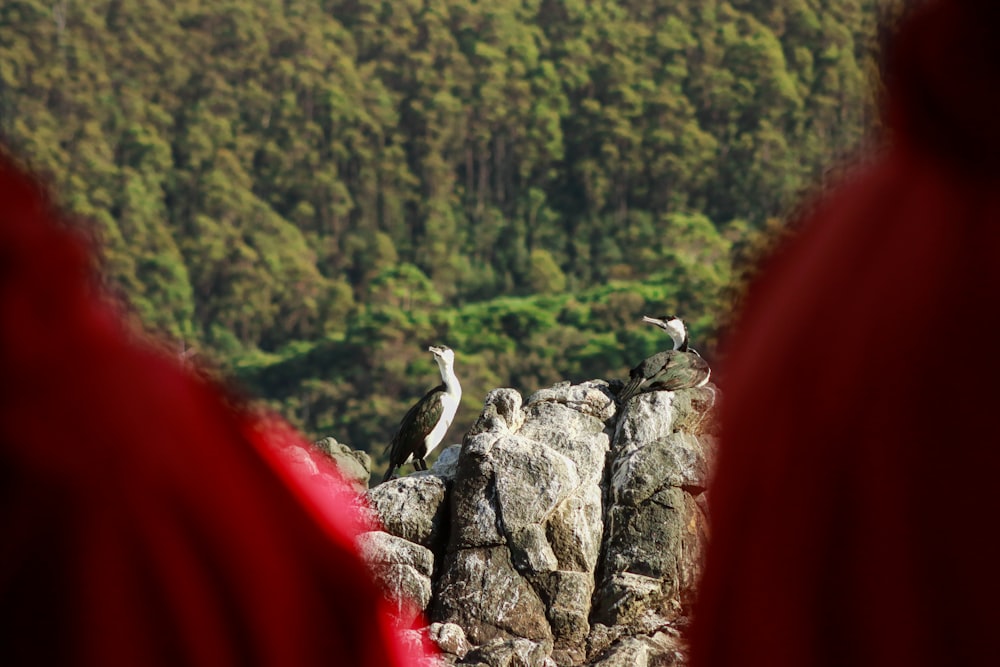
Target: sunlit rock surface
(566, 529)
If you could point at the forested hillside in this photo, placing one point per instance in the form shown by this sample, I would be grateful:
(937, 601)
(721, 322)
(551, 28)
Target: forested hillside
(311, 191)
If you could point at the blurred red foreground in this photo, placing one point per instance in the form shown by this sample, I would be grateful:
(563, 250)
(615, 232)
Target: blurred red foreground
(145, 520)
(857, 495)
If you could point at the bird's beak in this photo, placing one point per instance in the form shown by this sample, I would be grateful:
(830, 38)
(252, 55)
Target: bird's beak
(434, 350)
(653, 320)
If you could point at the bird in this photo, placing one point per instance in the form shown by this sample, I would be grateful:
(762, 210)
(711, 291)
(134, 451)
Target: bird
(678, 368)
(424, 425)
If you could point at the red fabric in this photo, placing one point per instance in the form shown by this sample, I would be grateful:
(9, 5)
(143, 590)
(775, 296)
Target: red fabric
(855, 498)
(145, 521)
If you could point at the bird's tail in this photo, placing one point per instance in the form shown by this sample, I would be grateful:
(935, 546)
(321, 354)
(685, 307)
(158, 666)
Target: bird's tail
(388, 474)
(630, 389)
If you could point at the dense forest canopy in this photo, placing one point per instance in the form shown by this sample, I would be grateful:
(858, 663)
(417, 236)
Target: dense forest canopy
(311, 191)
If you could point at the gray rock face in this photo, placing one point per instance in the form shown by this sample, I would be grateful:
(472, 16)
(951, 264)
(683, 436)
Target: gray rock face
(446, 464)
(566, 530)
(402, 569)
(659, 649)
(655, 529)
(527, 504)
(510, 653)
(449, 638)
(413, 508)
(354, 465)
(481, 590)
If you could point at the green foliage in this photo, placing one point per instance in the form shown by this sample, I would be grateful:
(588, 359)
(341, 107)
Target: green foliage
(520, 179)
(360, 385)
(545, 276)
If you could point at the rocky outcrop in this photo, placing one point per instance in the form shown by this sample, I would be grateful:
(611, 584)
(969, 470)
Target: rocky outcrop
(355, 466)
(565, 530)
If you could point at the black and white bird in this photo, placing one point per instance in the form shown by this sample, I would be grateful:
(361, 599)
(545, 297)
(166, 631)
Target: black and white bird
(678, 368)
(426, 423)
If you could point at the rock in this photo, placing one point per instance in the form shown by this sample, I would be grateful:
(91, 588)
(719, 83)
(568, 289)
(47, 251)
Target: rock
(589, 398)
(415, 643)
(402, 569)
(501, 413)
(655, 528)
(573, 421)
(446, 464)
(354, 465)
(601, 637)
(481, 591)
(507, 403)
(661, 650)
(511, 653)
(574, 530)
(378, 547)
(560, 532)
(530, 480)
(677, 459)
(624, 598)
(413, 507)
(528, 492)
(449, 638)
(530, 550)
(474, 519)
(567, 598)
(663, 538)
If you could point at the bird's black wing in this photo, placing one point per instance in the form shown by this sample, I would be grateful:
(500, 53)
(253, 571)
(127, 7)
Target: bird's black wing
(646, 370)
(654, 365)
(418, 421)
(683, 371)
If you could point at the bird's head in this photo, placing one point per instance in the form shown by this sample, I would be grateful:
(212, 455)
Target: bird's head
(673, 325)
(443, 354)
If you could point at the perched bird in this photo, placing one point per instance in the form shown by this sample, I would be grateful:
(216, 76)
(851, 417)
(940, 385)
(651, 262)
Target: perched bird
(678, 368)
(423, 427)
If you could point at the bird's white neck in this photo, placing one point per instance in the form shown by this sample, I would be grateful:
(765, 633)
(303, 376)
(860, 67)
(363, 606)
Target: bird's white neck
(678, 335)
(451, 384)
